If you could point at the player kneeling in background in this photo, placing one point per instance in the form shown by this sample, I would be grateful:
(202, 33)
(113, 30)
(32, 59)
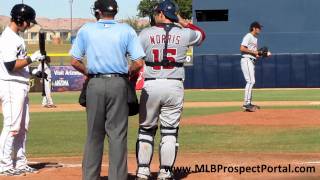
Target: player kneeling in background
(165, 45)
(14, 83)
(250, 53)
(47, 99)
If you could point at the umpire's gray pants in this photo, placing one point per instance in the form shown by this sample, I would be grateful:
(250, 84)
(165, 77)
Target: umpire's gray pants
(107, 114)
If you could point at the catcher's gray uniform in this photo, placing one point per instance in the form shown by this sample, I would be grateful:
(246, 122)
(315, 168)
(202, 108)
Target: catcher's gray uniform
(163, 92)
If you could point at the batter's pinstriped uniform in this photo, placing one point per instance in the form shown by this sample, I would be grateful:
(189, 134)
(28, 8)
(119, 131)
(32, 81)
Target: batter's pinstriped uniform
(14, 88)
(15, 103)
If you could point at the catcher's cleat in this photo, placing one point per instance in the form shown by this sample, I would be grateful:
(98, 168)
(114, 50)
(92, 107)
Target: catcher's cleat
(142, 177)
(165, 175)
(249, 108)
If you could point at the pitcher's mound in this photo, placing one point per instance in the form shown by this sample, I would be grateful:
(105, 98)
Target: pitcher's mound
(295, 117)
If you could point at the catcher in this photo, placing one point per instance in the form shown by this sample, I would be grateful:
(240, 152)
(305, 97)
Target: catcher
(250, 53)
(161, 100)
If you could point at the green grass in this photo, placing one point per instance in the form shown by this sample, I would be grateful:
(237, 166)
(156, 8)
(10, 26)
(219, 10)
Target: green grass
(211, 96)
(58, 97)
(63, 134)
(56, 133)
(249, 139)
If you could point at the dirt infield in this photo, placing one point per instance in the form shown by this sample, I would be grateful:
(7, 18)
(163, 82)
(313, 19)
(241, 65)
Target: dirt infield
(280, 117)
(71, 167)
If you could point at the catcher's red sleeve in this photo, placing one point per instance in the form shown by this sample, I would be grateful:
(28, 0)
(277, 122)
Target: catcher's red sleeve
(196, 28)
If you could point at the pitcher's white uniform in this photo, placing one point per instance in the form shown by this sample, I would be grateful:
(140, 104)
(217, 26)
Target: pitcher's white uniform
(15, 103)
(163, 92)
(247, 65)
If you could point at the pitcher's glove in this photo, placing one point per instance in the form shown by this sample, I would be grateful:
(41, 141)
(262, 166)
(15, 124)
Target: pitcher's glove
(264, 52)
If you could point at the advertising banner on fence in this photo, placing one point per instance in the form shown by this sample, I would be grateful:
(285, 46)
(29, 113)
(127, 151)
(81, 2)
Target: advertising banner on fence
(66, 78)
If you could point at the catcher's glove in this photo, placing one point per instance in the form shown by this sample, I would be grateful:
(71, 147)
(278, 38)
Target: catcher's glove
(264, 51)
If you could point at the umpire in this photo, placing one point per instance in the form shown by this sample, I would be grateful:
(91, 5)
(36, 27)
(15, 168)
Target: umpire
(106, 44)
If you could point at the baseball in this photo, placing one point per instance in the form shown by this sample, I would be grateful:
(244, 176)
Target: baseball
(269, 53)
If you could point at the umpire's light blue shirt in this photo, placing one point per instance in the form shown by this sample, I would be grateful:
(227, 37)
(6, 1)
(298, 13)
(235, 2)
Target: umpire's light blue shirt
(106, 44)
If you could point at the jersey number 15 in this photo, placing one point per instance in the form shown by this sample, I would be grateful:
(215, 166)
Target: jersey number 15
(171, 54)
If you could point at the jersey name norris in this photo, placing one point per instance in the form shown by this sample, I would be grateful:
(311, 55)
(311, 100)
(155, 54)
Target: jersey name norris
(160, 39)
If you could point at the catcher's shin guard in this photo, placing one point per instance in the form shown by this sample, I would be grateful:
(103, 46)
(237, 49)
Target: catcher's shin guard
(144, 150)
(168, 147)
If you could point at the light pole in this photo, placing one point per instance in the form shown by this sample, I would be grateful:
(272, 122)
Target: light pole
(70, 1)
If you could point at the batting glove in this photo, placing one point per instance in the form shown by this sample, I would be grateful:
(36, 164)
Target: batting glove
(37, 56)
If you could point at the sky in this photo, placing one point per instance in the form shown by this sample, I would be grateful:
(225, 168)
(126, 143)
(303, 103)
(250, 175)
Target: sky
(61, 8)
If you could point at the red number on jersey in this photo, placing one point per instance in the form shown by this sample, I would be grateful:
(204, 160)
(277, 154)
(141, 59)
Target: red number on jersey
(171, 53)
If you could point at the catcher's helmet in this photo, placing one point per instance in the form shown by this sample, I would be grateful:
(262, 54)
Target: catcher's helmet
(106, 6)
(169, 9)
(23, 12)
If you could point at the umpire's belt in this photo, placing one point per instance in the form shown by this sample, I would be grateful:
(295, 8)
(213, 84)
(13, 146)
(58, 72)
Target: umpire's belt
(178, 79)
(107, 75)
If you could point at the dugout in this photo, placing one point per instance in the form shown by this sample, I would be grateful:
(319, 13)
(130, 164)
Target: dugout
(291, 31)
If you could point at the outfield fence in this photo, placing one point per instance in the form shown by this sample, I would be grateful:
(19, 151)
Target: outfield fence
(277, 71)
(219, 71)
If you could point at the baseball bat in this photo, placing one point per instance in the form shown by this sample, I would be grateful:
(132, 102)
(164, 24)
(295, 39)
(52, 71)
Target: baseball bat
(42, 47)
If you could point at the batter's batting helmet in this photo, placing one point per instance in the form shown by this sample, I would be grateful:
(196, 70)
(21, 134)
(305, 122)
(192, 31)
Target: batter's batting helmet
(108, 7)
(169, 9)
(23, 12)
